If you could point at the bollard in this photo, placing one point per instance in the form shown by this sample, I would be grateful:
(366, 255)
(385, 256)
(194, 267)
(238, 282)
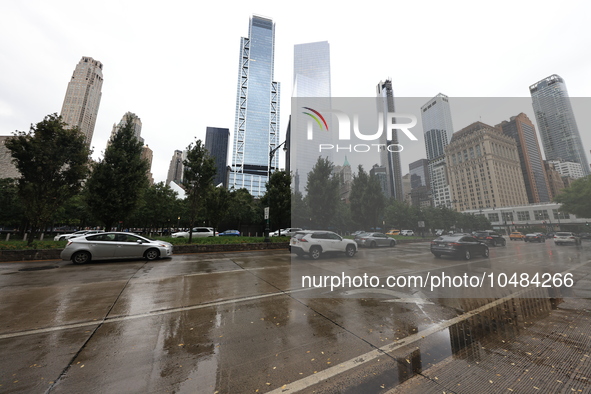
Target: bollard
(7, 237)
(25, 237)
(41, 238)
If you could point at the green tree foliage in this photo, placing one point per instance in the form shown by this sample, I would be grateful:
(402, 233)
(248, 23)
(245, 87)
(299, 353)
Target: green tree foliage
(53, 162)
(278, 199)
(114, 189)
(300, 213)
(323, 193)
(243, 209)
(366, 199)
(576, 199)
(217, 202)
(11, 209)
(159, 207)
(199, 170)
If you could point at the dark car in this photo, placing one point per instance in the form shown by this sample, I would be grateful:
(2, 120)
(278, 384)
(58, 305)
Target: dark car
(232, 233)
(464, 246)
(490, 238)
(535, 237)
(585, 235)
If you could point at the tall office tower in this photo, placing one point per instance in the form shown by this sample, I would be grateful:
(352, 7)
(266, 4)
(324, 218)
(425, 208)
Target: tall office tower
(523, 131)
(256, 131)
(83, 97)
(555, 181)
(484, 169)
(7, 167)
(216, 143)
(438, 130)
(419, 173)
(345, 177)
(147, 155)
(556, 122)
(311, 81)
(390, 158)
(175, 169)
(380, 173)
(136, 125)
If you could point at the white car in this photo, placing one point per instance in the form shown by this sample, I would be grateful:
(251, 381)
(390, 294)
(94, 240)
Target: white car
(198, 232)
(63, 237)
(562, 238)
(407, 232)
(286, 232)
(315, 243)
(114, 245)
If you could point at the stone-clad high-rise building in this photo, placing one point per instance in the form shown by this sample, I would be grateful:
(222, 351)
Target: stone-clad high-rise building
(523, 131)
(256, 130)
(83, 97)
(484, 169)
(556, 122)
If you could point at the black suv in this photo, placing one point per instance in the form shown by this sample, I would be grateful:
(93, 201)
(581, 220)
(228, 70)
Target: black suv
(490, 238)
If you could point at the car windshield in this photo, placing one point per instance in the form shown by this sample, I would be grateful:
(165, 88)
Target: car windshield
(564, 234)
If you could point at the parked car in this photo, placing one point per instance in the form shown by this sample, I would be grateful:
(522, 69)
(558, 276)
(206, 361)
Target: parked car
(516, 236)
(198, 232)
(372, 240)
(63, 237)
(114, 245)
(393, 232)
(585, 235)
(439, 232)
(317, 242)
(464, 246)
(286, 232)
(229, 233)
(491, 238)
(407, 232)
(535, 237)
(562, 237)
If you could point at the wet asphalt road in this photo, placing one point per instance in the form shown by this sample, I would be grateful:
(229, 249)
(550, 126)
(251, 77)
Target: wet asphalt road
(241, 322)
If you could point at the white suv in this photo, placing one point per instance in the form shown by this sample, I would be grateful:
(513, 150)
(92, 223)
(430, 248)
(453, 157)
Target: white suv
(407, 232)
(198, 232)
(287, 232)
(315, 243)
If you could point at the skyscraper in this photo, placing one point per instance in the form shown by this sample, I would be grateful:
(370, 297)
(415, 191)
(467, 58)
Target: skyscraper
(556, 121)
(438, 130)
(311, 80)
(216, 143)
(83, 97)
(175, 169)
(256, 130)
(390, 158)
(523, 131)
(136, 123)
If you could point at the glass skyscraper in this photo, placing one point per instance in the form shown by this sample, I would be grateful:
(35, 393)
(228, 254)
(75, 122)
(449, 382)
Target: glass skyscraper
(216, 143)
(256, 130)
(438, 130)
(556, 122)
(311, 81)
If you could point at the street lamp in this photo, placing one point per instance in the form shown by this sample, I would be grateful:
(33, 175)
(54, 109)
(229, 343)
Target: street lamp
(271, 154)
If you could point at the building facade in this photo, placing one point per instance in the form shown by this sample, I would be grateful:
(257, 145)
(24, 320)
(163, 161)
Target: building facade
(437, 131)
(389, 158)
(147, 155)
(523, 131)
(483, 169)
(556, 121)
(311, 80)
(136, 126)
(7, 167)
(175, 169)
(568, 168)
(216, 143)
(83, 97)
(256, 129)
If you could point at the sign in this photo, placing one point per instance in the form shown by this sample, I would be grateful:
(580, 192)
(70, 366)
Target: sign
(266, 213)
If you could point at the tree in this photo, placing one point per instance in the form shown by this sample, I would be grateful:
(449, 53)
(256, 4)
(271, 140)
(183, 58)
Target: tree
(278, 199)
(323, 193)
(158, 207)
(243, 208)
(575, 198)
(11, 214)
(199, 170)
(366, 199)
(217, 202)
(116, 184)
(53, 162)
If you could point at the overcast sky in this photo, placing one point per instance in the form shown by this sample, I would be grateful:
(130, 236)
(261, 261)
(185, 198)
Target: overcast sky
(175, 63)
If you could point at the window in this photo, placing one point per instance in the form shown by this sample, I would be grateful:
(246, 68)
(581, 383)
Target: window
(493, 217)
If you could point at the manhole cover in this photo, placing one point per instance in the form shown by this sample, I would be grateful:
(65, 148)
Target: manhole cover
(45, 267)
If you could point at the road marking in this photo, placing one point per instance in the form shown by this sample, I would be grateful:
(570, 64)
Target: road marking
(331, 372)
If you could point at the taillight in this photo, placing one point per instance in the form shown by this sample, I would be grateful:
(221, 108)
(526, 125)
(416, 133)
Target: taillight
(572, 237)
(303, 240)
(488, 237)
(433, 243)
(69, 243)
(454, 244)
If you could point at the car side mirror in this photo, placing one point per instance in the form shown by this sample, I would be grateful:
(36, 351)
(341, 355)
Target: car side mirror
(139, 241)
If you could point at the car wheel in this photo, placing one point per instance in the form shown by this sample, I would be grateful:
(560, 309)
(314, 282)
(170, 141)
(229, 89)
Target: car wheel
(350, 251)
(80, 257)
(151, 254)
(62, 239)
(392, 244)
(486, 253)
(504, 243)
(373, 245)
(437, 255)
(315, 252)
(467, 255)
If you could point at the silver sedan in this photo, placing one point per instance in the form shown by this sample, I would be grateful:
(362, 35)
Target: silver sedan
(114, 245)
(373, 240)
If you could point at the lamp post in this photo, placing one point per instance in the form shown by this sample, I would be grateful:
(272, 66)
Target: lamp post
(271, 154)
